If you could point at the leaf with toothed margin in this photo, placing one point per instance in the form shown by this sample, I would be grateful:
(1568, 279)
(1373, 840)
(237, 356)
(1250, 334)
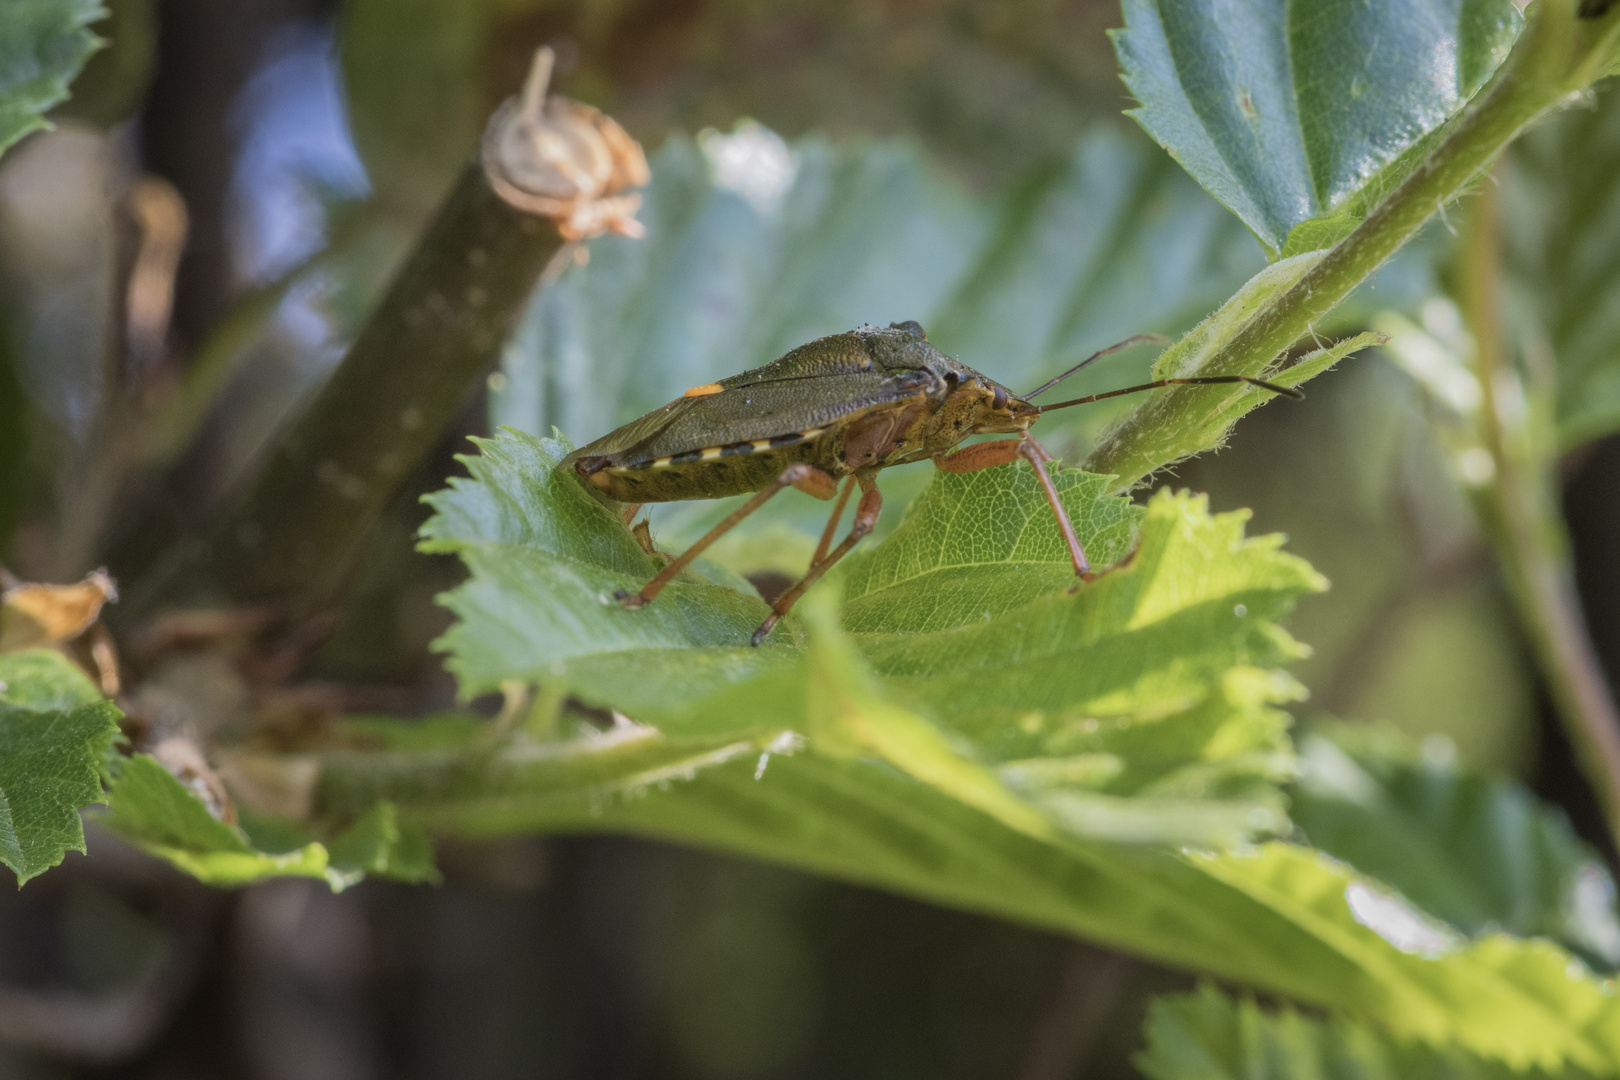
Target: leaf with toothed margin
(1209, 1035)
(55, 734)
(43, 44)
(1144, 706)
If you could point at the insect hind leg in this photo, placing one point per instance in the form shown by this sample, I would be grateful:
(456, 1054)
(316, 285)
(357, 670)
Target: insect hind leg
(866, 515)
(806, 478)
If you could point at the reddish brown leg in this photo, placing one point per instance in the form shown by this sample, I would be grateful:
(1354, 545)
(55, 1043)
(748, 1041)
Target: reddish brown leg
(1004, 452)
(1038, 457)
(832, 522)
(810, 480)
(866, 515)
(642, 531)
(983, 455)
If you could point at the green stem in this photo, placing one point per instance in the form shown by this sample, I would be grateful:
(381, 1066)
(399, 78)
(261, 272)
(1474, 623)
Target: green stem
(1544, 68)
(1521, 516)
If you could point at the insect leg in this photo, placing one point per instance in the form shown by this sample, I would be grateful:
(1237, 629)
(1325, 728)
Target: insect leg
(1005, 451)
(1038, 457)
(643, 534)
(866, 515)
(832, 523)
(806, 478)
(983, 455)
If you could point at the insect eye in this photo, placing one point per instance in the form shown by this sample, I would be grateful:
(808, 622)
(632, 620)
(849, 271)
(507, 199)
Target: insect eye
(998, 400)
(952, 379)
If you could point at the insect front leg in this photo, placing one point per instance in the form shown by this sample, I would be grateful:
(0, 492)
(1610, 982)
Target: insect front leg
(1005, 452)
(832, 522)
(866, 515)
(806, 478)
(641, 530)
(983, 455)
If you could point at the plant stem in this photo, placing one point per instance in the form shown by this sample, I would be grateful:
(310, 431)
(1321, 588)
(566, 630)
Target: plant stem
(1520, 512)
(404, 380)
(549, 174)
(1544, 67)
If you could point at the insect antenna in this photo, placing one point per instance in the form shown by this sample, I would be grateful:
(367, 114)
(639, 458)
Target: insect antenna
(1136, 339)
(1203, 380)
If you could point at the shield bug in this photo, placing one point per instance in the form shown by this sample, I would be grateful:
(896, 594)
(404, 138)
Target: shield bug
(842, 406)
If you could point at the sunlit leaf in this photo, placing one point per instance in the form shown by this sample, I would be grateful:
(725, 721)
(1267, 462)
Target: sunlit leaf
(545, 560)
(1209, 1036)
(1527, 1003)
(1294, 110)
(1282, 918)
(1141, 706)
(154, 811)
(1480, 853)
(149, 807)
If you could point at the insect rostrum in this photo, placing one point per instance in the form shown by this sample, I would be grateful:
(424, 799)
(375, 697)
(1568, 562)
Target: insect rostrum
(842, 406)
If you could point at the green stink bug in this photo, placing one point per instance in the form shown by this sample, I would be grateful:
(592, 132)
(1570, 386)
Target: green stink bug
(842, 406)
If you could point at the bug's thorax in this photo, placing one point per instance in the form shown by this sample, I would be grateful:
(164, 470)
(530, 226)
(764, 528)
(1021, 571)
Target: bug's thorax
(972, 405)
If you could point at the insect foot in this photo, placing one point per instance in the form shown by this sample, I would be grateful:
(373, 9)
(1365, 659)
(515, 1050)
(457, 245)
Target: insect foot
(628, 599)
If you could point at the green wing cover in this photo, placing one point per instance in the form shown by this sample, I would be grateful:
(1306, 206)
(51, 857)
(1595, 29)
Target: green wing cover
(760, 411)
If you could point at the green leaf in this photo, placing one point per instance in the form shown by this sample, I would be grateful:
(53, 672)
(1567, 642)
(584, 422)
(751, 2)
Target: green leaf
(891, 781)
(545, 558)
(151, 809)
(50, 768)
(1148, 697)
(1208, 1035)
(976, 545)
(43, 44)
(44, 679)
(887, 779)
(1293, 110)
(1527, 1003)
(55, 734)
(1477, 852)
(1280, 918)
(1192, 73)
(1143, 706)
(380, 846)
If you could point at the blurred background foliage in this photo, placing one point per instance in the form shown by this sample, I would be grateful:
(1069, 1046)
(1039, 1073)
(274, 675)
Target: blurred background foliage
(962, 164)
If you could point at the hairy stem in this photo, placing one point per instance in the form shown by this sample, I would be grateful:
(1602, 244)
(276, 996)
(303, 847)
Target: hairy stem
(1519, 508)
(1555, 55)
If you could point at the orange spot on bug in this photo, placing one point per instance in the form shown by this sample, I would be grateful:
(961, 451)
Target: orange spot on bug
(704, 390)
